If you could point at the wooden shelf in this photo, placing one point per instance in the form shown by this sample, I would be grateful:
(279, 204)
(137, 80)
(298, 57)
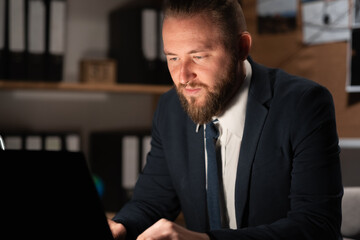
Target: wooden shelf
(87, 87)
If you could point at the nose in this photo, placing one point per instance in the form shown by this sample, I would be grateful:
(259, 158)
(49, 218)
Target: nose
(187, 73)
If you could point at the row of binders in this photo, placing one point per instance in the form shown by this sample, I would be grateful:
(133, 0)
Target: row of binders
(63, 141)
(136, 44)
(32, 39)
(116, 159)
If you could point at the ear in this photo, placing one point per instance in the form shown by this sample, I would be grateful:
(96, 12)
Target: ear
(244, 43)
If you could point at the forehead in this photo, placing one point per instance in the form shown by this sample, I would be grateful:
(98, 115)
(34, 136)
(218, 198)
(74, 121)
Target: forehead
(198, 28)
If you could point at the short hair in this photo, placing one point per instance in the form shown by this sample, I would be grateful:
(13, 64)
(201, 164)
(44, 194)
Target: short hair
(226, 14)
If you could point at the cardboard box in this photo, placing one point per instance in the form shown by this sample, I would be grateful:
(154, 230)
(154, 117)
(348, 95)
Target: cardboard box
(98, 71)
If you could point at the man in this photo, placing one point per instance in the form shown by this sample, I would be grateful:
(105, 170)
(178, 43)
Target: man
(279, 168)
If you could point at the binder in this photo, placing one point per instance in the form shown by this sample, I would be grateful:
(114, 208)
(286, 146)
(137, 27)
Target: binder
(130, 163)
(149, 33)
(33, 142)
(135, 42)
(17, 33)
(149, 46)
(36, 40)
(53, 143)
(105, 163)
(13, 142)
(116, 158)
(125, 45)
(2, 38)
(55, 39)
(163, 71)
(73, 143)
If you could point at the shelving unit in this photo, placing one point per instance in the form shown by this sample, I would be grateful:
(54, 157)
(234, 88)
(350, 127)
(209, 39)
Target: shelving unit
(86, 87)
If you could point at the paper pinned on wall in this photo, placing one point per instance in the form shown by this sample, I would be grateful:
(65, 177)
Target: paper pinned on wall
(325, 21)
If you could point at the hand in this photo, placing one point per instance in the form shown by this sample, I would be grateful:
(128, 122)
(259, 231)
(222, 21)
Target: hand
(118, 230)
(167, 230)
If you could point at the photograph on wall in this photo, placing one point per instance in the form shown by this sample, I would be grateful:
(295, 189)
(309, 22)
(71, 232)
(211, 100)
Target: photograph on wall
(325, 21)
(276, 16)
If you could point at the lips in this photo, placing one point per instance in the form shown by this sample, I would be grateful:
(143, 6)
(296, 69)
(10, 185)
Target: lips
(191, 90)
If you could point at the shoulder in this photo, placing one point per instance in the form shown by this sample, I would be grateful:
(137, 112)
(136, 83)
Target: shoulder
(169, 100)
(282, 85)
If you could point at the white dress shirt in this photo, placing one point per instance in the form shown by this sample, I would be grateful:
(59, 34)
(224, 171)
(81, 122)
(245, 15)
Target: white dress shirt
(231, 128)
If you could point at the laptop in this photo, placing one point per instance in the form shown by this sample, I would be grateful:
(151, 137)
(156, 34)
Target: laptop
(50, 195)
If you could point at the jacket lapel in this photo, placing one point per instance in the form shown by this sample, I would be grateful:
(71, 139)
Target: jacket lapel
(197, 174)
(256, 113)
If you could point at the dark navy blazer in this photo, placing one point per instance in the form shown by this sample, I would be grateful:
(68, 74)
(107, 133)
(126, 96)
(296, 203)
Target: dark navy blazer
(288, 183)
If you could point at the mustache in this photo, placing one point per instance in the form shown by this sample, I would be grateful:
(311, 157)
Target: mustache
(192, 85)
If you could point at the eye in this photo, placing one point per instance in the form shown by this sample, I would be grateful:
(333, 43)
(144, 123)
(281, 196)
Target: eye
(200, 57)
(173, 59)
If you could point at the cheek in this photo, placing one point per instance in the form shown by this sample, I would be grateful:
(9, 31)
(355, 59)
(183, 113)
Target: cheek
(172, 71)
(211, 75)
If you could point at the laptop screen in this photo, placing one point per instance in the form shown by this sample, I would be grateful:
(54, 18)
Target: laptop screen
(48, 194)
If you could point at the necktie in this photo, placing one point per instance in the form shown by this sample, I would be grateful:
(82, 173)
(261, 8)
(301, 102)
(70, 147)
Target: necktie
(211, 135)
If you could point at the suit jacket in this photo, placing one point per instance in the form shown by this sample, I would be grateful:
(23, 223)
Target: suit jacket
(288, 183)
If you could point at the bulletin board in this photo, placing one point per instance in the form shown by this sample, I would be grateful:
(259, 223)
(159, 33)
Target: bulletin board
(325, 63)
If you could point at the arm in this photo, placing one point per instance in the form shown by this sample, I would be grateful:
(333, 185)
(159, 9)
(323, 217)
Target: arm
(154, 196)
(164, 229)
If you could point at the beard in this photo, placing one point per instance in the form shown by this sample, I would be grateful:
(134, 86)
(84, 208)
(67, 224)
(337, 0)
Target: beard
(215, 101)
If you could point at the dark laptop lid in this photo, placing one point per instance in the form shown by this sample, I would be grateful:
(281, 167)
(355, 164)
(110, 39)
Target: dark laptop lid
(50, 195)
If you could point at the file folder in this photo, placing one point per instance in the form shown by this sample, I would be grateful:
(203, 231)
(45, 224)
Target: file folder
(17, 56)
(55, 46)
(163, 71)
(33, 142)
(2, 38)
(135, 42)
(130, 153)
(125, 45)
(36, 40)
(116, 158)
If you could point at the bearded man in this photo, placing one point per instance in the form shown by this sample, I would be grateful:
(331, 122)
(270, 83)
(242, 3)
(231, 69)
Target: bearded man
(274, 171)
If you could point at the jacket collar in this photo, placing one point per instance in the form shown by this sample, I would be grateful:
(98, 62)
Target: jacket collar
(259, 100)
